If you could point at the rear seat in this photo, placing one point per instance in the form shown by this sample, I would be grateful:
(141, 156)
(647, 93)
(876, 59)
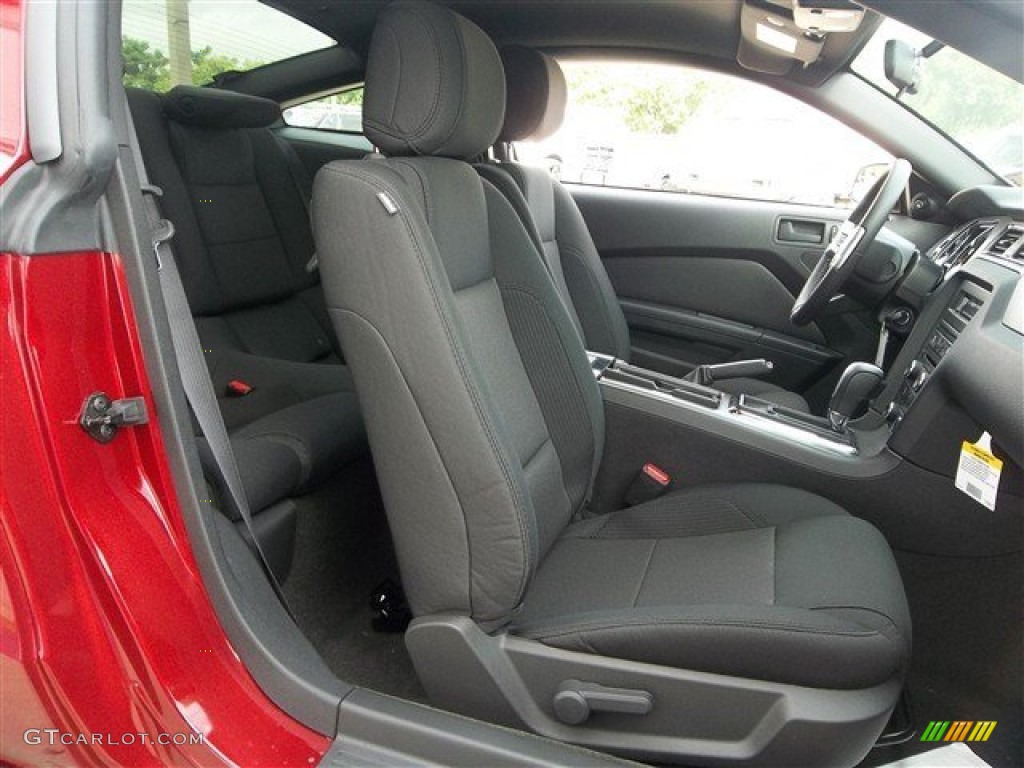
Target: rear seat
(238, 196)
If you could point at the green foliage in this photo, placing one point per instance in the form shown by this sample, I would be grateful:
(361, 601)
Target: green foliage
(143, 67)
(963, 96)
(595, 86)
(206, 65)
(661, 105)
(148, 68)
(350, 98)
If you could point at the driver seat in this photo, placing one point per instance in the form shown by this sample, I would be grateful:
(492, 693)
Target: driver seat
(535, 105)
(736, 623)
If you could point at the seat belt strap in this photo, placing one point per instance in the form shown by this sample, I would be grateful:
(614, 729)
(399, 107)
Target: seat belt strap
(303, 184)
(195, 377)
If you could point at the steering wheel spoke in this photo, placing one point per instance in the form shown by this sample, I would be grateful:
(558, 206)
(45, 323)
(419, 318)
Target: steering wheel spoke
(840, 257)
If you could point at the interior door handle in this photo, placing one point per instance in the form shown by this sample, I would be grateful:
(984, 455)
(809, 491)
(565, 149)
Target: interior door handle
(801, 231)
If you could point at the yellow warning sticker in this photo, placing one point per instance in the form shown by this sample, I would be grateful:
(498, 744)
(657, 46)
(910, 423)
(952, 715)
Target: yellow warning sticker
(978, 472)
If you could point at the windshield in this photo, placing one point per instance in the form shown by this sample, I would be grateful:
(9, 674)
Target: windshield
(979, 108)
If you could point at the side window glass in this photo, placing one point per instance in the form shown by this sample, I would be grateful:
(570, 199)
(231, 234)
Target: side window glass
(675, 129)
(337, 112)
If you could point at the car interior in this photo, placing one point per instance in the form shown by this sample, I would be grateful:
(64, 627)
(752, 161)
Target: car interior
(677, 477)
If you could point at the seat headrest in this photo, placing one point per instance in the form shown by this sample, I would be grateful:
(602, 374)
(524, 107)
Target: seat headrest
(536, 94)
(434, 84)
(212, 108)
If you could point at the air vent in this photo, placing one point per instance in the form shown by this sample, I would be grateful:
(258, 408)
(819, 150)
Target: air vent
(958, 247)
(1007, 242)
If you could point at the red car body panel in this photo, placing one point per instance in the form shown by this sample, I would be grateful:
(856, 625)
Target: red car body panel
(107, 629)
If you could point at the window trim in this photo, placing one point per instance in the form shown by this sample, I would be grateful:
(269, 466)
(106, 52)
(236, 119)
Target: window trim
(290, 103)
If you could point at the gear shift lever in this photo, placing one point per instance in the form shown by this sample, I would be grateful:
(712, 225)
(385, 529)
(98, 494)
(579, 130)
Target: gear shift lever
(858, 384)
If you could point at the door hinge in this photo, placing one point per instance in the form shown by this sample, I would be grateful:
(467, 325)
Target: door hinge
(102, 417)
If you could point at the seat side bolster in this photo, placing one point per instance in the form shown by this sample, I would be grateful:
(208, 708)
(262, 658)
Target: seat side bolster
(551, 350)
(592, 293)
(532, 195)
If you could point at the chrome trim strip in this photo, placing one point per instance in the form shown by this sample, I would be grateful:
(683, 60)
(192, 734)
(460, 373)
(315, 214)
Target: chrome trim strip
(840, 445)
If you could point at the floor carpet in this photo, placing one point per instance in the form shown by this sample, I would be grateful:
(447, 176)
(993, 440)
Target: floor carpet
(343, 552)
(968, 617)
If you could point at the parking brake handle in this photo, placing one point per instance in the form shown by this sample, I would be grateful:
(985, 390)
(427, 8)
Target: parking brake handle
(706, 375)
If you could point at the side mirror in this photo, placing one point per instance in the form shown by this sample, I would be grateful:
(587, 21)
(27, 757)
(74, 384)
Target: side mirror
(902, 66)
(866, 176)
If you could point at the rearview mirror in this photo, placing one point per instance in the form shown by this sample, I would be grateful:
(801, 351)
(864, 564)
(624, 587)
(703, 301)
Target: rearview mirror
(902, 66)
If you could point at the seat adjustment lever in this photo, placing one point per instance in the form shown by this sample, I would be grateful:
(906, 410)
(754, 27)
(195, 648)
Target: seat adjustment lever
(575, 701)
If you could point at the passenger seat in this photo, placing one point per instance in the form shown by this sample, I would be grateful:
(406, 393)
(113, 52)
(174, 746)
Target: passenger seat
(535, 105)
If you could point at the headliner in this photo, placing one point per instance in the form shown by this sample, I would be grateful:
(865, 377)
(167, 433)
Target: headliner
(990, 30)
(697, 28)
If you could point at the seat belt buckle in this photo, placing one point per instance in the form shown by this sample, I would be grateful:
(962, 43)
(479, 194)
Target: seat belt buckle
(237, 388)
(650, 482)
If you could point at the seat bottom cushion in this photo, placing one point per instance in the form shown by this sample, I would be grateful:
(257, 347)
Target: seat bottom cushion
(755, 581)
(765, 391)
(301, 445)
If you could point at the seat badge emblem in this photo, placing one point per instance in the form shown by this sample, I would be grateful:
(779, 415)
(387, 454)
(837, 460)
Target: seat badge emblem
(389, 205)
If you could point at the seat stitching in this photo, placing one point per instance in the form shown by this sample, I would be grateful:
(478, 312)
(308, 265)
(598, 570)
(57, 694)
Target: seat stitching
(597, 534)
(536, 451)
(240, 240)
(253, 182)
(875, 611)
(702, 622)
(453, 130)
(581, 259)
(775, 564)
(296, 444)
(428, 212)
(433, 441)
(754, 517)
(647, 569)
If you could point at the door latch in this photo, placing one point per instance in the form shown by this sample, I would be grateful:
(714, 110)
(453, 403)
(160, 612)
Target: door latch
(102, 417)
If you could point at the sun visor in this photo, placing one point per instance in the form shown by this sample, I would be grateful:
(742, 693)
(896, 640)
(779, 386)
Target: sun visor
(778, 36)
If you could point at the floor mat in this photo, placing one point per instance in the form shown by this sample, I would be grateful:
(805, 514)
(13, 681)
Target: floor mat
(966, 665)
(343, 552)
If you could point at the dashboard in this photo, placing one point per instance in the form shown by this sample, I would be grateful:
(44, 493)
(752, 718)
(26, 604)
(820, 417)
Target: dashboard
(961, 369)
(998, 237)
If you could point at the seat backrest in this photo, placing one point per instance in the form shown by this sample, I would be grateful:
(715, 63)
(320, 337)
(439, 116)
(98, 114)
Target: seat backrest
(483, 415)
(535, 105)
(238, 201)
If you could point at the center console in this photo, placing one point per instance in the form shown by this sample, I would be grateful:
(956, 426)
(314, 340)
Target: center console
(758, 423)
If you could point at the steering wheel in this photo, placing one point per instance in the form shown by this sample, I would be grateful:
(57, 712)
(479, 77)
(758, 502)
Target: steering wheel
(855, 235)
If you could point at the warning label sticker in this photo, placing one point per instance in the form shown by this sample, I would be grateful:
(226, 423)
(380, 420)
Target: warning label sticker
(978, 472)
